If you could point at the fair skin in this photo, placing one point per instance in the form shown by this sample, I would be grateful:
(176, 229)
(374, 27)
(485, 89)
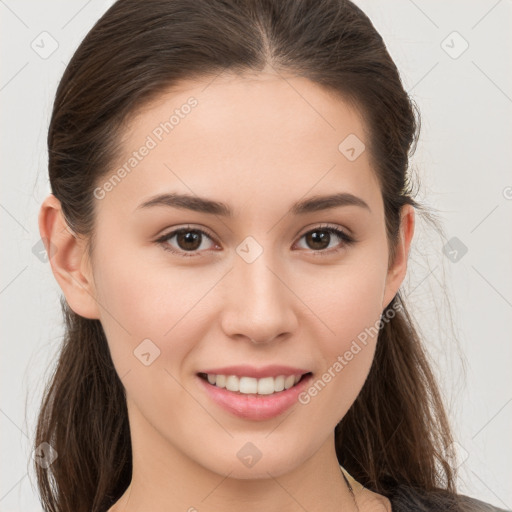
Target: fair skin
(259, 145)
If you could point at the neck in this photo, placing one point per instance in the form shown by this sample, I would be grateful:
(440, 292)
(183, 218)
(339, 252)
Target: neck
(164, 479)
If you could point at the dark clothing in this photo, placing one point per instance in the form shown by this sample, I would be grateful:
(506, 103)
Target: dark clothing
(407, 499)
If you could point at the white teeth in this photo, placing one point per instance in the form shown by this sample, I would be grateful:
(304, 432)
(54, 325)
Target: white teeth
(266, 386)
(279, 383)
(232, 383)
(247, 385)
(289, 381)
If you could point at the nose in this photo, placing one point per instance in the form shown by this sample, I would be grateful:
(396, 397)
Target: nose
(258, 304)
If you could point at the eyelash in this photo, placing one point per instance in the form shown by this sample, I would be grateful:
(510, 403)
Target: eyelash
(347, 240)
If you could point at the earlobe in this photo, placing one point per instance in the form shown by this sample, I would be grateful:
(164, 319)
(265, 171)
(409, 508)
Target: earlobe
(68, 259)
(397, 271)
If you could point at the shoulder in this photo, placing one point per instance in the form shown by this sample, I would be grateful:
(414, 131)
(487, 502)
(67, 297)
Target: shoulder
(410, 499)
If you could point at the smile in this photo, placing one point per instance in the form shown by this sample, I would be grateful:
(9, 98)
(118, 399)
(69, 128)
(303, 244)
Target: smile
(250, 385)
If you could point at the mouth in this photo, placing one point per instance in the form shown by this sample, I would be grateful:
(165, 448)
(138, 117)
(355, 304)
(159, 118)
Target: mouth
(253, 386)
(254, 399)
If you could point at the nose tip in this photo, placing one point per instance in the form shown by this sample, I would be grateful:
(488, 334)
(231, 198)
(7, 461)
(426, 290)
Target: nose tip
(261, 307)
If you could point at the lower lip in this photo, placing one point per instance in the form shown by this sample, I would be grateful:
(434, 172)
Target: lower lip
(252, 406)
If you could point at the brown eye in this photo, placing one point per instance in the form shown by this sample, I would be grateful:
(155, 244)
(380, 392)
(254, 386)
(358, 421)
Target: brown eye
(188, 241)
(320, 238)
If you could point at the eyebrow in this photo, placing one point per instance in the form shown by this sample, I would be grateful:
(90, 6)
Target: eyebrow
(204, 205)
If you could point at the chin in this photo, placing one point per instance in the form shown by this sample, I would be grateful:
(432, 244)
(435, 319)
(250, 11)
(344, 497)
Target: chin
(263, 468)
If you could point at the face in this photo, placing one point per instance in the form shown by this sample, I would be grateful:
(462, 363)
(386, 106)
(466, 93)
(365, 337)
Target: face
(270, 284)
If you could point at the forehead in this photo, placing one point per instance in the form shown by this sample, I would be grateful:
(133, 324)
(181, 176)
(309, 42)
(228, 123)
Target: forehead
(241, 139)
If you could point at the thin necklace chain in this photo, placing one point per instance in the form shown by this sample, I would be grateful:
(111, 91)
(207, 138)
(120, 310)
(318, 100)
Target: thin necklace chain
(350, 489)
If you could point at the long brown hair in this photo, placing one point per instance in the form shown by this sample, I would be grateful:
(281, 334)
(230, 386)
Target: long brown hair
(396, 433)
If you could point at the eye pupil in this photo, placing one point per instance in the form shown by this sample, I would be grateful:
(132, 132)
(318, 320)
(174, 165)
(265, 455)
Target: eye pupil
(189, 237)
(319, 237)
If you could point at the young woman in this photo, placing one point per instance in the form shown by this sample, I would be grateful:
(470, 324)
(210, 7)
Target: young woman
(230, 221)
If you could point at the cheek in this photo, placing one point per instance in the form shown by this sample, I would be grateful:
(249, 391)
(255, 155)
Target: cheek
(141, 302)
(358, 306)
(349, 300)
(350, 304)
(150, 329)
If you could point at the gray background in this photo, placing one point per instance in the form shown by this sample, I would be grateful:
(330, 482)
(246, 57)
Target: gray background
(464, 162)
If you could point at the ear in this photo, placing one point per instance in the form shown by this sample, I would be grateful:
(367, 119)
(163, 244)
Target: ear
(68, 259)
(398, 267)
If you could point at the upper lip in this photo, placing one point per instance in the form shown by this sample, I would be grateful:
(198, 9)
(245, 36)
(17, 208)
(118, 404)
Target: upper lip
(273, 370)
